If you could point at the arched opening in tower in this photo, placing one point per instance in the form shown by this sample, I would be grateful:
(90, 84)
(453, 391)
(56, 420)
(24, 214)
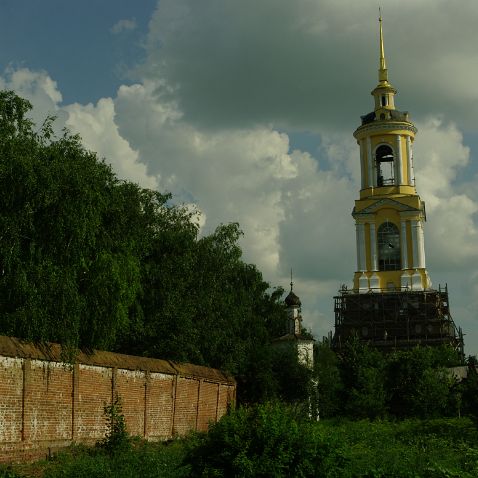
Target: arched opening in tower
(388, 247)
(385, 166)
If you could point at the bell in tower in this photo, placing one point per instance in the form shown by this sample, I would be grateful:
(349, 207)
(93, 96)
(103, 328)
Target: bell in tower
(392, 303)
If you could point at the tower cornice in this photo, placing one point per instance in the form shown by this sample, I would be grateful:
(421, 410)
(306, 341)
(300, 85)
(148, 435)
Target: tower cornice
(383, 126)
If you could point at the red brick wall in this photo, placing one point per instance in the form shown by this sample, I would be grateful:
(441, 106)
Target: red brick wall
(186, 405)
(94, 391)
(11, 397)
(45, 404)
(160, 406)
(131, 387)
(207, 404)
(48, 405)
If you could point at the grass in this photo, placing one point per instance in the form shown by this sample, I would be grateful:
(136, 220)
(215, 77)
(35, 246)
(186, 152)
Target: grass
(145, 460)
(414, 448)
(440, 448)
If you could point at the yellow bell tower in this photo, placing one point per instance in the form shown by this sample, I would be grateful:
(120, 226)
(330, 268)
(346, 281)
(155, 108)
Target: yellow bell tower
(389, 215)
(392, 304)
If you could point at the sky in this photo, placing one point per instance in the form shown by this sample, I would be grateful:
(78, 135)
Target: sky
(246, 109)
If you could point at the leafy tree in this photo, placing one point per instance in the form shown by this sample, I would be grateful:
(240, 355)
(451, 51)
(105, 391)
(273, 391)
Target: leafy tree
(470, 390)
(330, 386)
(294, 380)
(363, 374)
(69, 265)
(418, 382)
(265, 440)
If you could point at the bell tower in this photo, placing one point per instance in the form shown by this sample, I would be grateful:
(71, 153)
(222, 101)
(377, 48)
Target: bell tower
(389, 214)
(392, 303)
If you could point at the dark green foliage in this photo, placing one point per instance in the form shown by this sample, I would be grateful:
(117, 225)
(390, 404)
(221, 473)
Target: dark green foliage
(410, 448)
(292, 378)
(469, 391)
(69, 264)
(7, 472)
(418, 382)
(143, 460)
(361, 382)
(264, 441)
(363, 376)
(274, 441)
(330, 386)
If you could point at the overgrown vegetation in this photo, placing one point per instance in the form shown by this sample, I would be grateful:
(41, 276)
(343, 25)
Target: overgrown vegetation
(360, 382)
(275, 440)
(265, 440)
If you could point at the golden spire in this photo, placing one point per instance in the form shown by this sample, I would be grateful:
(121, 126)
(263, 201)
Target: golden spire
(382, 71)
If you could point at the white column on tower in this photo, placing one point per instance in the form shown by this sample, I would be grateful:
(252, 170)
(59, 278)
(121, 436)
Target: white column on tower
(421, 245)
(398, 162)
(373, 246)
(363, 160)
(413, 223)
(372, 181)
(403, 224)
(410, 161)
(418, 245)
(360, 236)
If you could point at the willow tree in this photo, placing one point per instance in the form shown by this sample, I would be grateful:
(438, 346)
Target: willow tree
(72, 236)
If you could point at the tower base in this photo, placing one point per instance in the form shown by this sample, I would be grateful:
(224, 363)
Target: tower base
(396, 320)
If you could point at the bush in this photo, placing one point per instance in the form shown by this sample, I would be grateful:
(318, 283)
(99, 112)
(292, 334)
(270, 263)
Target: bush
(144, 460)
(117, 438)
(264, 440)
(8, 473)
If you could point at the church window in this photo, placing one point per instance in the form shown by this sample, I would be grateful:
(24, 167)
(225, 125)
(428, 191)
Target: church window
(384, 100)
(385, 166)
(388, 247)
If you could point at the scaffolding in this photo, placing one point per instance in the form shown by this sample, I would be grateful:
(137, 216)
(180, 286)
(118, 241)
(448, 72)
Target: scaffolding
(396, 320)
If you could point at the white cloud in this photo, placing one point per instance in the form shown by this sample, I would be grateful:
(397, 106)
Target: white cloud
(232, 175)
(38, 87)
(127, 24)
(97, 127)
(439, 155)
(451, 231)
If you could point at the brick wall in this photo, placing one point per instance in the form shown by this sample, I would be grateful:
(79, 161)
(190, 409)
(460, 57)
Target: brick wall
(46, 404)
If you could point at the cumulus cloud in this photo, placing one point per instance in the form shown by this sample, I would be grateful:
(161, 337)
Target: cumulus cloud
(231, 175)
(451, 231)
(440, 154)
(39, 88)
(126, 24)
(99, 132)
(306, 65)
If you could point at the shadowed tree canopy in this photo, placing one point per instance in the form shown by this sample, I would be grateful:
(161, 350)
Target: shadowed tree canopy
(90, 261)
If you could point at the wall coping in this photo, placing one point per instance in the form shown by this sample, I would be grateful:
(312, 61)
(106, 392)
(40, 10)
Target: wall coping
(51, 352)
